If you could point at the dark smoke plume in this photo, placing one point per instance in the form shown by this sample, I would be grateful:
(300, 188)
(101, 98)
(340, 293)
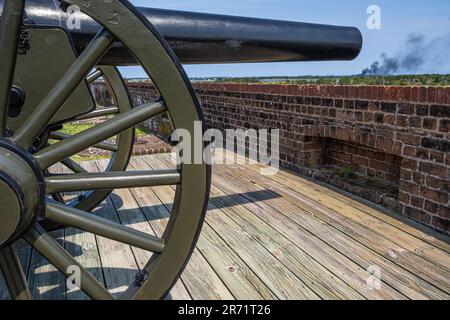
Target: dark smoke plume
(418, 55)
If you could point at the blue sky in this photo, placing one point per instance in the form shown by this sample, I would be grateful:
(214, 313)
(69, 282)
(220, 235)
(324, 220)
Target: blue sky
(399, 19)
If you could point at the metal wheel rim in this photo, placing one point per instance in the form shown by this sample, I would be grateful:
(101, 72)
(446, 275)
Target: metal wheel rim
(181, 234)
(119, 159)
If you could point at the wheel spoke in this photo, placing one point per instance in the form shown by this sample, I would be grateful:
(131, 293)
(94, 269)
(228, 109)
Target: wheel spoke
(91, 223)
(58, 197)
(97, 134)
(101, 145)
(98, 113)
(72, 165)
(50, 249)
(111, 180)
(10, 25)
(94, 76)
(46, 110)
(13, 273)
(106, 146)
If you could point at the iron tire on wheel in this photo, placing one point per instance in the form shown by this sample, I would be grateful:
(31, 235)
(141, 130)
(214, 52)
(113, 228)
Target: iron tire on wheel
(120, 157)
(121, 22)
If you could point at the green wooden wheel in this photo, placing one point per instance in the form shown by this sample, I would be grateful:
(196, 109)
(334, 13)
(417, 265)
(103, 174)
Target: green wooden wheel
(24, 171)
(117, 151)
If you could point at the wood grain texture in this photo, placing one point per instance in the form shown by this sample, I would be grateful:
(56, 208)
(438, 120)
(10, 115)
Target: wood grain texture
(265, 237)
(393, 275)
(342, 216)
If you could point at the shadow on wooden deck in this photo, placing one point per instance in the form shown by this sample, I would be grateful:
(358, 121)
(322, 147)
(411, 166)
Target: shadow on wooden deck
(280, 237)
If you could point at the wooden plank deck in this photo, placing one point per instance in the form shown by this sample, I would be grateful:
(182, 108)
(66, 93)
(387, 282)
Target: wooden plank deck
(278, 237)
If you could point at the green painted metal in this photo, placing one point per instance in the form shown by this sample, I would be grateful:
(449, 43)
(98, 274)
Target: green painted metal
(26, 184)
(98, 113)
(50, 249)
(191, 199)
(40, 69)
(101, 145)
(103, 227)
(73, 165)
(97, 134)
(125, 140)
(26, 134)
(10, 212)
(94, 76)
(192, 194)
(111, 180)
(11, 22)
(22, 185)
(173, 250)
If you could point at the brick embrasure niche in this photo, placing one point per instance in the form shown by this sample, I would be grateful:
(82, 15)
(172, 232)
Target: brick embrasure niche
(396, 135)
(395, 140)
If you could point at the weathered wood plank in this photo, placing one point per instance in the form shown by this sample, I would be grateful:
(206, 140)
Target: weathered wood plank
(423, 233)
(317, 277)
(429, 236)
(130, 215)
(24, 253)
(281, 281)
(156, 212)
(410, 243)
(179, 292)
(4, 293)
(241, 281)
(265, 238)
(412, 239)
(199, 278)
(46, 282)
(118, 263)
(395, 276)
(238, 277)
(83, 247)
(359, 231)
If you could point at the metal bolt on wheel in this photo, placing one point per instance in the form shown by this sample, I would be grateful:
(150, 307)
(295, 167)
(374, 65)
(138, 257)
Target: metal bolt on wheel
(31, 197)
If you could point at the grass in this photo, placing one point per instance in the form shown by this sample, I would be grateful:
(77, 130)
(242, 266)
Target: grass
(347, 173)
(75, 128)
(398, 80)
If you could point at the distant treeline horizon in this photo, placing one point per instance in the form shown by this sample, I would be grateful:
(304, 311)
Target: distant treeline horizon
(400, 80)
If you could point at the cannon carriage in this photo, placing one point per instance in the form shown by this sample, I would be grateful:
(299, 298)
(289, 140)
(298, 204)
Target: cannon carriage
(47, 63)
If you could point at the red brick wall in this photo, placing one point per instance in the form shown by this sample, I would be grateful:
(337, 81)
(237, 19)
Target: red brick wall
(395, 133)
(140, 93)
(363, 160)
(404, 126)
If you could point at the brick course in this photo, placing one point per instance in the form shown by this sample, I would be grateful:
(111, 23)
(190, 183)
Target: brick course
(398, 134)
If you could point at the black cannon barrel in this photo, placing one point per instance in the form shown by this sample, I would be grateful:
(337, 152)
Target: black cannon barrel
(207, 38)
(199, 38)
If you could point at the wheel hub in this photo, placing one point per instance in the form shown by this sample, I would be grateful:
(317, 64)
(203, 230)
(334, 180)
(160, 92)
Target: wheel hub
(11, 204)
(21, 192)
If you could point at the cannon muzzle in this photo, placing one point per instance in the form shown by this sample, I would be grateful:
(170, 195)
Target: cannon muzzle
(200, 38)
(209, 38)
